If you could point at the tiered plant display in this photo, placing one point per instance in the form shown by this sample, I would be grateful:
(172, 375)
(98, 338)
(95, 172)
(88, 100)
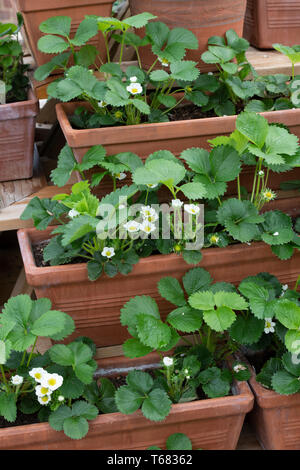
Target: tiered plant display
(120, 248)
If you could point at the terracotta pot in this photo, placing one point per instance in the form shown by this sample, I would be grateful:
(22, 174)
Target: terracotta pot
(17, 130)
(36, 11)
(268, 22)
(213, 424)
(275, 418)
(95, 306)
(205, 18)
(143, 139)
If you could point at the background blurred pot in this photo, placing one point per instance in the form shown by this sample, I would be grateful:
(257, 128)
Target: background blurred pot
(272, 21)
(37, 11)
(205, 18)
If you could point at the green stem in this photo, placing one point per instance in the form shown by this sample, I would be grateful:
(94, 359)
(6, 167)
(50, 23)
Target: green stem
(297, 283)
(254, 182)
(106, 47)
(32, 350)
(239, 187)
(4, 378)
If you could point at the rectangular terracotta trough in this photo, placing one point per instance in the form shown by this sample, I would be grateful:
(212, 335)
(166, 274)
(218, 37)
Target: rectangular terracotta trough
(212, 424)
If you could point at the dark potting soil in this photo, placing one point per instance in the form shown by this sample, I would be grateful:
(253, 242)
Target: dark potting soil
(21, 420)
(38, 254)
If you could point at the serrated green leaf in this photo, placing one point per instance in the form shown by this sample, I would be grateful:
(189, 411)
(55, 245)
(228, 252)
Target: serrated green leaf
(171, 290)
(56, 25)
(254, 127)
(202, 300)
(152, 332)
(178, 441)
(220, 319)
(196, 279)
(157, 405)
(285, 383)
(52, 44)
(185, 319)
(247, 330)
(8, 407)
(128, 401)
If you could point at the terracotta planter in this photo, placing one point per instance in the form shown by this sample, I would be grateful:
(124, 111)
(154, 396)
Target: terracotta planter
(143, 139)
(36, 11)
(95, 306)
(205, 18)
(17, 130)
(275, 418)
(268, 22)
(213, 424)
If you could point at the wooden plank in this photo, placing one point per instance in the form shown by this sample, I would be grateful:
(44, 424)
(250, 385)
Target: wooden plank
(270, 62)
(21, 286)
(13, 191)
(10, 216)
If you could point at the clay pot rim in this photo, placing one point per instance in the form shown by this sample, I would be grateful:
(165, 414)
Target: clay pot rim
(28, 6)
(129, 133)
(32, 100)
(25, 242)
(241, 401)
(267, 398)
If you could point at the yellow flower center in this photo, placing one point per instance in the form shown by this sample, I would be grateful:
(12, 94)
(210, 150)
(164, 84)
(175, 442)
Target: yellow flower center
(44, 390)
(164, 61)
(268, 195)
(38, 375)
(108, 253)
(177, 248)
(214, 239)
(268, 324)
(134, 90)
(45, 399)
(52, 381)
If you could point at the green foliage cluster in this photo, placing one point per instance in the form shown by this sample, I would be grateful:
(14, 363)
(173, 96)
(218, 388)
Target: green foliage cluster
(12, 69)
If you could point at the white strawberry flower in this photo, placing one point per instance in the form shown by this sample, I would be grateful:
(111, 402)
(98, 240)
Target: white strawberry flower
(52, 381)
(135, 88)
(147, 211)
(285, 287)
(239, 367)
(102, 104)
(152, 218)
(73, 213)
(269, 326)
(16, 379)
(275, 234)
(132, 226)
(38, 373)
(108, 252)
(177, 203)
(151, 185)
(61, 398)
(168, 361)
(120, 176)
(41, 391)
(147, 227)
(133, 79)
(164, 62)
(44, 400)
(192, 209)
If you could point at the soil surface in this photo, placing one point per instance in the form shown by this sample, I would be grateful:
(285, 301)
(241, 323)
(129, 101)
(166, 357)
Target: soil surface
(21, 420)
(38, 254)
